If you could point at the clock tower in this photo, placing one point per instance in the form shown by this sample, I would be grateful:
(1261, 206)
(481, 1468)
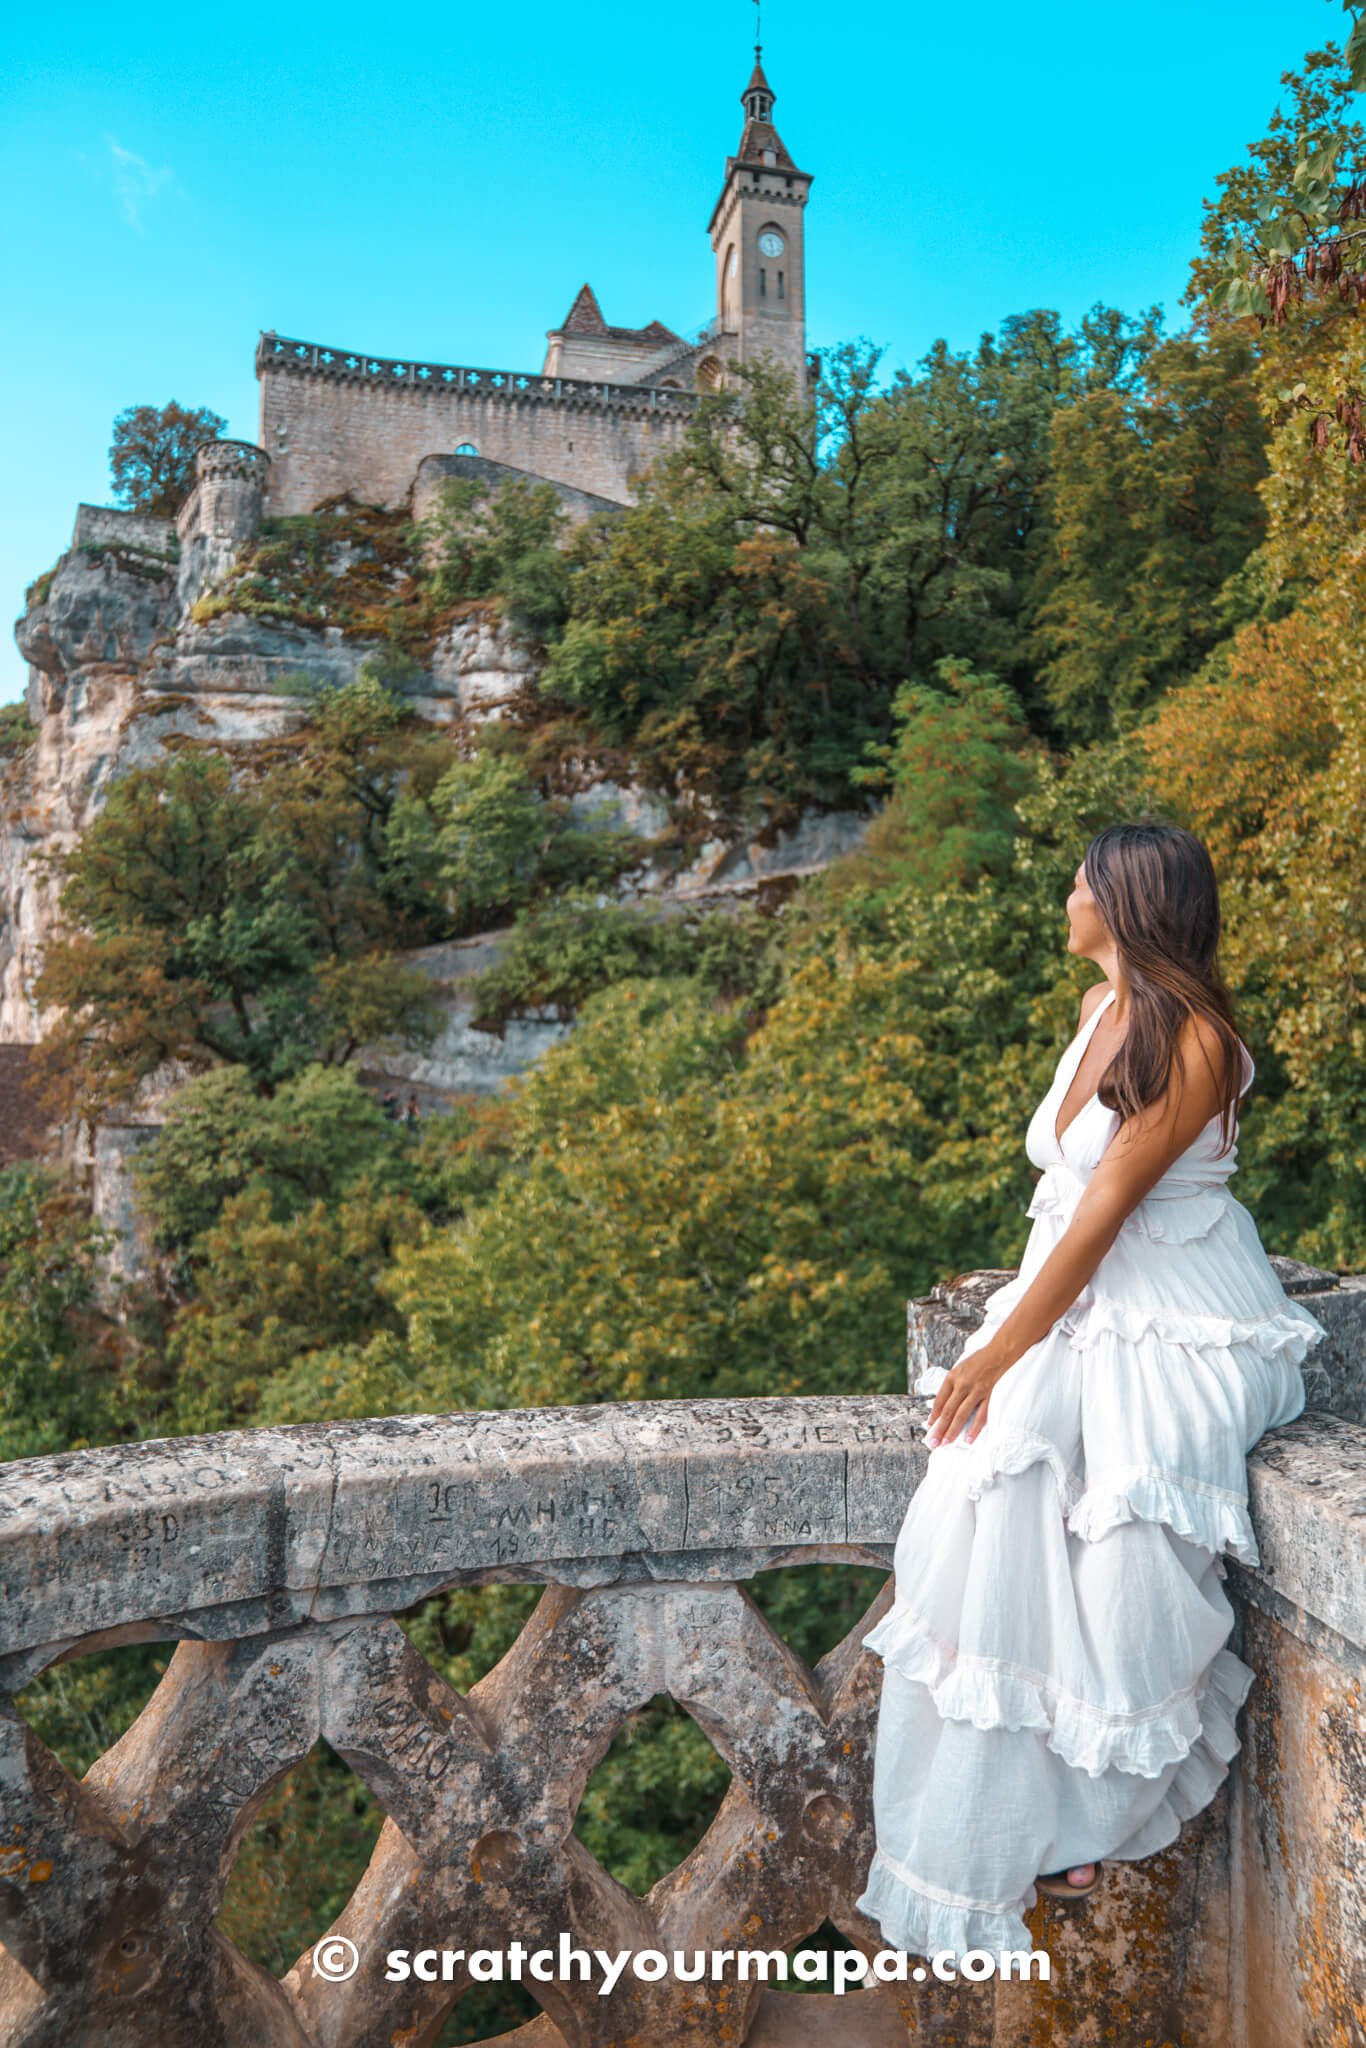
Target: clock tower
(756, 231)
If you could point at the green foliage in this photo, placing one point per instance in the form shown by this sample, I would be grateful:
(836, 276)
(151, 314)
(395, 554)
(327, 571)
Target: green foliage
(269, 1294)
(960, 761)
(246, 915)
(745, 627)
(318, 1135)
(1152, 507)
(1284, 247)
(562, 951)
(504, 541)
(16, 729)
(151, 458)
(1288, 192)
(59, 1360)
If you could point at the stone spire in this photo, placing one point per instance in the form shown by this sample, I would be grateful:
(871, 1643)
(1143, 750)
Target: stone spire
(758, 96)
(760, 142)
(757, 231)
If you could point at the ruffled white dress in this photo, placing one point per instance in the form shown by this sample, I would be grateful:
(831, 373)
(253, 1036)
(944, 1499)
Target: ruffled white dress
(1055, 1687)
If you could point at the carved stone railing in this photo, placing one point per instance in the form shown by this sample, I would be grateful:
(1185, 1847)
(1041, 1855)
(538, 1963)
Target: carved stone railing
(276, 352)
(277, 1558)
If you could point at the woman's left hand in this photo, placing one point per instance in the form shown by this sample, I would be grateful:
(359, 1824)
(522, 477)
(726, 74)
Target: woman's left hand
(967, 1386)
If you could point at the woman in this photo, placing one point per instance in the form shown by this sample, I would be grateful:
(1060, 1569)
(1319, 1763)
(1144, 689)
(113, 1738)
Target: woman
(1056, 1690)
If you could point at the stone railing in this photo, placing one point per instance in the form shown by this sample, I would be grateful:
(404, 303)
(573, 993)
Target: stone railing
(274, 352)
(276, 1560)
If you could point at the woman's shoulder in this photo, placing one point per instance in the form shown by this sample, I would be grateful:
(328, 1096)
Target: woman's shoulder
(1201, 1041)
(1093, 996)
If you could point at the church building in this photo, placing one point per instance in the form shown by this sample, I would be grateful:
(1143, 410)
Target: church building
(606, 400)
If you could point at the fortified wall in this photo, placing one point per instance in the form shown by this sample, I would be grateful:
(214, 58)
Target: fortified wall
(334, 421)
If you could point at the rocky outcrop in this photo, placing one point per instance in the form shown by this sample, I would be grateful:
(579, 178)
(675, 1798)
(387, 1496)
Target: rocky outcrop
(119, 666)
(124, 659)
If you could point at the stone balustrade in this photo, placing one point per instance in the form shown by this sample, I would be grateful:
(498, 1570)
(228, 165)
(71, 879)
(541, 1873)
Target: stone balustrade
(277, 352)
(276, 1560)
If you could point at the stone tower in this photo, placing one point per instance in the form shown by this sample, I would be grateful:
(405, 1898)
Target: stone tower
(757, 234)
(606, 401)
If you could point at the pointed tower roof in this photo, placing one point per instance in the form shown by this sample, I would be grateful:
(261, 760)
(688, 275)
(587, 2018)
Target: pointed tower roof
(760, 142)
(585, 317)
(757, 81)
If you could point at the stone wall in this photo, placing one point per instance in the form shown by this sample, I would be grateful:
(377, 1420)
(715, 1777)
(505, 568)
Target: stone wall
(276, 1558)
(332, 421)
(108, 524)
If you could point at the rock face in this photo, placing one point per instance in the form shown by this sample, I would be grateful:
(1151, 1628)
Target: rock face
(119, 664)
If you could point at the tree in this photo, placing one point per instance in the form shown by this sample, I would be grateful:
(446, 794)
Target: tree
(1151, 504)
(962, 759)
(59, 1353)
(1263, 757)
(505, 540)
(1287, 236)
(152, 454)
(245, 914)
(746, 624)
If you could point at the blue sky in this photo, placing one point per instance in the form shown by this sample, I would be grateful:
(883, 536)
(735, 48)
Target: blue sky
(439, 181)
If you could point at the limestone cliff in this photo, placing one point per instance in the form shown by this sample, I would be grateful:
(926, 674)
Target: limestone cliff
(134, 638)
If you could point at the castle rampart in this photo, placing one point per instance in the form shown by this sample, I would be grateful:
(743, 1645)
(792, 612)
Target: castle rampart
(334, 420)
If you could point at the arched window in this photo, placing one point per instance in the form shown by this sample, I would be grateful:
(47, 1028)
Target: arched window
(467, 448)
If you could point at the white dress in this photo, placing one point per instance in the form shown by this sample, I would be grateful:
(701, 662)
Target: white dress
(1055, 1687)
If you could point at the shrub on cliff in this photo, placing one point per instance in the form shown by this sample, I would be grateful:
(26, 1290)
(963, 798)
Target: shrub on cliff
(505, 542)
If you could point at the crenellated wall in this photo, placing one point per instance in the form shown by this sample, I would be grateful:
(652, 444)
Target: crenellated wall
(334, 421)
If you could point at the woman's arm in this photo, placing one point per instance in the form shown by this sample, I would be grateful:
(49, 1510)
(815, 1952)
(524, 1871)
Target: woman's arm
(1132, 1163)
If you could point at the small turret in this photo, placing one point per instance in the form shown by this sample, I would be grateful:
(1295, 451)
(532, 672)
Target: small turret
(222, 512)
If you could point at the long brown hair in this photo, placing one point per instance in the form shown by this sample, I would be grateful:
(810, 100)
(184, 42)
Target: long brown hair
(1154, 886)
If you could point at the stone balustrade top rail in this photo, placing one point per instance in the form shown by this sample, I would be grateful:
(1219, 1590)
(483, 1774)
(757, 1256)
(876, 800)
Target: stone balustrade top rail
(279, 352)
(225, 1535)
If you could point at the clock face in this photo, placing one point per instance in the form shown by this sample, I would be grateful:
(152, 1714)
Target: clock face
(771, 242)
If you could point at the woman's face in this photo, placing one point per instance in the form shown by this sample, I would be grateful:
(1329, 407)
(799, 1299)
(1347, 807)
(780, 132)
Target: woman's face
(1087, 932)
